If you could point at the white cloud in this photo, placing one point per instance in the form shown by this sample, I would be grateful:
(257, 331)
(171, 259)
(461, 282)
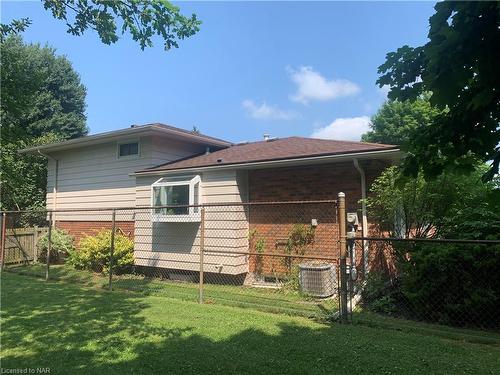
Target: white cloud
(384, 90)
(267, 112)
(348, 129)
(311, 85)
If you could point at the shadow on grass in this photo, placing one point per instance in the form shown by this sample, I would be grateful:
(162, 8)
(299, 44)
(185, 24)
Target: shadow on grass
(267, 300)
(77, 330)
(371, 319)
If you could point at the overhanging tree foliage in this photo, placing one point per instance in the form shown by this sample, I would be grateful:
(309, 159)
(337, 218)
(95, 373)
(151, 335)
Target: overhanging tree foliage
(14, 27)
(143, 19)
(42, 101)
(459, 66)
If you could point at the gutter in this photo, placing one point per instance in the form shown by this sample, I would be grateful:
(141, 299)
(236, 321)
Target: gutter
(54, 191)
(271, 163)
(112, 135)
(364, 223)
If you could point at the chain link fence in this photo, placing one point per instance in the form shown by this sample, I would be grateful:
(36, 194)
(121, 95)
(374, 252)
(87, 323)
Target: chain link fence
(449, 282)
(277, 256)
(296, 258)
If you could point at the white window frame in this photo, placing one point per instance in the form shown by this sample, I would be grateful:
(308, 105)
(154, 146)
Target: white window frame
(128, 141)
(193, 212)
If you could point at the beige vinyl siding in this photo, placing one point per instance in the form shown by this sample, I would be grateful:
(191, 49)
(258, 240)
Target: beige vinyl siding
(95, 177)
(166, 150)
(177, 245)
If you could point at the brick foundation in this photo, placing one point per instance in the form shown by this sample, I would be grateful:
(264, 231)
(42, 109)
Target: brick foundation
(80, 229)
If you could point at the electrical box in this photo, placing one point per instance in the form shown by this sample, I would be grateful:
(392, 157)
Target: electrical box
(352, 219)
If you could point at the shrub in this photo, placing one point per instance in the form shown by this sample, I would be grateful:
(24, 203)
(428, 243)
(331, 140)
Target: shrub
(448, 283)
(379, 292)
(94, 253)
(61, 245)
(453, 284)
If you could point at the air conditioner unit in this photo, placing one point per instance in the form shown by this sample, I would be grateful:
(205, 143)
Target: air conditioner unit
(318, 279)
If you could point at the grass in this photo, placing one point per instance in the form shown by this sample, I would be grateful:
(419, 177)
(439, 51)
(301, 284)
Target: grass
(462, 334)
(270, 300)
(79, 330)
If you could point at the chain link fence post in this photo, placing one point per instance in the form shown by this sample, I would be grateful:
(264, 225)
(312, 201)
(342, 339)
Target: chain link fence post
(112, 249)
(202, 251)
(49, 247)
(343, 258)
(35, 242)
(4, 233)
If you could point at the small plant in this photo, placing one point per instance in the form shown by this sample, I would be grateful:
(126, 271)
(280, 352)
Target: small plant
(259, 248)
(292, 281)
(301, 236)
(258, 245)
(94, 253)
(61, 245)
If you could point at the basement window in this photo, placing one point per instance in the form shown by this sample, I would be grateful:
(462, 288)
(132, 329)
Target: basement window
(175, 198)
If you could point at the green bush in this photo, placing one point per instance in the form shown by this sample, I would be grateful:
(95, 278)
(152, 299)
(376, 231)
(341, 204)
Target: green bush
(61, 245)
(94, 253)
(377, 294)
(449, 283)
(453, 284)
(456, 284)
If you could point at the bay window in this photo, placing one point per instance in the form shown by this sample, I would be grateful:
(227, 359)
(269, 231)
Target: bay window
(173, 199)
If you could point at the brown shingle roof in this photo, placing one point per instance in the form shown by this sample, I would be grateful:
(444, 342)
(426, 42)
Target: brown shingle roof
(278, 149)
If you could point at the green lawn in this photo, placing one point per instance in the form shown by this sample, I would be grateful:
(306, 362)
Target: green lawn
(269, 300)
(75, 329)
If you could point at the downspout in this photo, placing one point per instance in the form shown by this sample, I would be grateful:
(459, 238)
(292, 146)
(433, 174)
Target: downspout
(54, 190)
(364, 228)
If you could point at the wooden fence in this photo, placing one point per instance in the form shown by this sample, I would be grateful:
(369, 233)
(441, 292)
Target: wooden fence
(20, 245)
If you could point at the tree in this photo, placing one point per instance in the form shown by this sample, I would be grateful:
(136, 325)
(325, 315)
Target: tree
(396, 121)
(449, 283)
(14, 27)
(42, 101)
(143, 19)
(459, 66)
(416, 207)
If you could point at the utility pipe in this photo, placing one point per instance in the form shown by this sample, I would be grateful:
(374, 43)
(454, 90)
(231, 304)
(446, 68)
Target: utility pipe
(54, 189)
(364, 220)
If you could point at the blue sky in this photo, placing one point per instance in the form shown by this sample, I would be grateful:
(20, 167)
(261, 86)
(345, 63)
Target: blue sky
(279, 68)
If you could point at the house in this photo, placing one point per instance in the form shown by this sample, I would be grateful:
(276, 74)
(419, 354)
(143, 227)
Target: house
(159, 165)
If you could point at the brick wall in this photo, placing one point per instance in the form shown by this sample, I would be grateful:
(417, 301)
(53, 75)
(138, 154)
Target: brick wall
(79, 229)
(320, 182)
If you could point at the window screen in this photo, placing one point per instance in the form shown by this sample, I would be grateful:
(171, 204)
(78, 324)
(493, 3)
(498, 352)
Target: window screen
(127, 149)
